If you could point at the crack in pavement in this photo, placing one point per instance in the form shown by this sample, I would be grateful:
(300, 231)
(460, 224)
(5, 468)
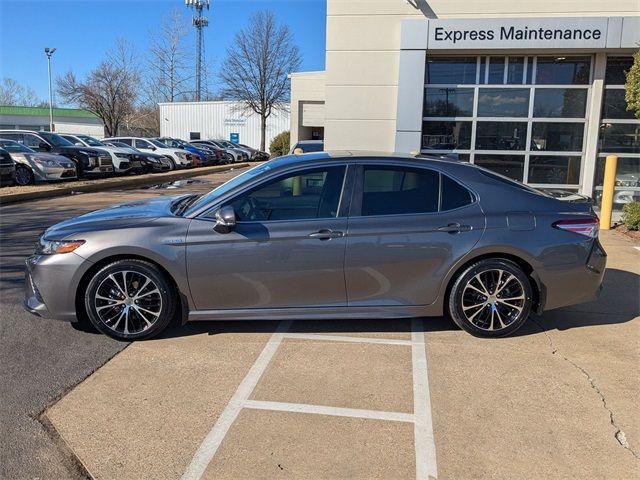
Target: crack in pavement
(619, 435)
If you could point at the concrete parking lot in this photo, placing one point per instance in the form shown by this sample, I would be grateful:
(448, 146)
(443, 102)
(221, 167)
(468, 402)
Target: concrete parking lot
(320, 399)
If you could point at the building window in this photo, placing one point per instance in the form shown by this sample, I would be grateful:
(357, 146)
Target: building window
(521, 116)
(619, 135)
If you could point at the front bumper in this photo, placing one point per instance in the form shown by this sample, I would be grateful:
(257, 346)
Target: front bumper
(51, 282)
(46, 174)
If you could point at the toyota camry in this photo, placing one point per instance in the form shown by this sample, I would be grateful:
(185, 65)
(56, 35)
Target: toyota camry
(324, 236)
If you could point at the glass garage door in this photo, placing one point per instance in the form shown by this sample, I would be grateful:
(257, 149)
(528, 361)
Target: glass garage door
(521, 116)
(619, 135)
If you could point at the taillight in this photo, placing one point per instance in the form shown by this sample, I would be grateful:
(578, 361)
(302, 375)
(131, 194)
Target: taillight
(583, 226)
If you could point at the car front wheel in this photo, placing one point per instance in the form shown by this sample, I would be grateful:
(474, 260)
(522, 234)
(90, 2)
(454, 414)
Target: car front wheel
(491, 298)
(130, 300)
(24, 176)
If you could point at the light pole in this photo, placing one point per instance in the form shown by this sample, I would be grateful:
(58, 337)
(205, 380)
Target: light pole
(48, 52)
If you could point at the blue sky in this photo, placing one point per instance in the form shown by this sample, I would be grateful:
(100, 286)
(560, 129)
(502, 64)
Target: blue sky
(83, 30)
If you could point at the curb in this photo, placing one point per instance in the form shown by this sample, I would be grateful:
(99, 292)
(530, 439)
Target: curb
(111, 183)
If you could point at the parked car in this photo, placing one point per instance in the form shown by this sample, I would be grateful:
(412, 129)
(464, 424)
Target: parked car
(179, 158)
(207, 158)
(7, 168)
(234, 154)
(89, 162)
(257, 155)
(224, 155)
(308, 146)
(246, 153)
(31, 166)
(150, 162)
(359, 236)
(122, 161)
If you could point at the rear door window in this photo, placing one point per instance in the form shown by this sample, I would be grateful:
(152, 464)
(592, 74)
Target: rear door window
(399, 190)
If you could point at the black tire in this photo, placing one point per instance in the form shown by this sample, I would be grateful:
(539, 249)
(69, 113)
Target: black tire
(487, 303)
(143, 313)
(24, 175)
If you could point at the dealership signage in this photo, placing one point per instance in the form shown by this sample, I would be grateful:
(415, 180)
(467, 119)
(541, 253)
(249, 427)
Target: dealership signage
(517, 33)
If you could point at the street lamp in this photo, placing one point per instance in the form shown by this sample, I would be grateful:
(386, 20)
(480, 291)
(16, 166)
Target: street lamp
(48, 52)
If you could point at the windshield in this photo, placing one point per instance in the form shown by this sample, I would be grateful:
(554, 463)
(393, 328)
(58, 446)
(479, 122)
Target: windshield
(156, 143)
(230, 185)
(14, 147)
(92, 142)
(55, 139)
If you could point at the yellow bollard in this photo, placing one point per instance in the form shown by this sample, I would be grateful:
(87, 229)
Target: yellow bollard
(608, 186)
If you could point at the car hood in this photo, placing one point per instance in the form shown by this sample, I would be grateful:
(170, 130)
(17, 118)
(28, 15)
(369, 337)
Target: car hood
(125, 215)
(24, 157)
(73, 149)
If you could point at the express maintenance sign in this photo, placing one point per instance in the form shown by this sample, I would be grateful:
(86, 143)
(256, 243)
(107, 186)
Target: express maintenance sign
(517, 33)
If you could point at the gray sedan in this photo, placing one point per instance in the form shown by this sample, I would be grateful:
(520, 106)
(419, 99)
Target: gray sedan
(32, 166)
(324, 236)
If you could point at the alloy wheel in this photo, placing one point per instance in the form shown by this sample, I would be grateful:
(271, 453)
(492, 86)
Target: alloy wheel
(23, 176)
(128, 302)
(492, 300)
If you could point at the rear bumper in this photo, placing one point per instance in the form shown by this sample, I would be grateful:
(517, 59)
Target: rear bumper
(573, 285)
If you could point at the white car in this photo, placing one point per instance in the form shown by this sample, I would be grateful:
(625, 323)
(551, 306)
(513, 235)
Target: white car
(179, 158)
(122, 161)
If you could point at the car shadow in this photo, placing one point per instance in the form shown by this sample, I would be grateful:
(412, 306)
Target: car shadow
(618, 303)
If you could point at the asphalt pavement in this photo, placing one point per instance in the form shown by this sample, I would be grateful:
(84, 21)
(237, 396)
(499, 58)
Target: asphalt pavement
(40, 359)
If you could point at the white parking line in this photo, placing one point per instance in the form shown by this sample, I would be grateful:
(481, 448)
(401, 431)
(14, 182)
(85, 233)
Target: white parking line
(334, 411)
(344, 338)
(425, 449)
(423, 429)
(637, 248)
(212, 441)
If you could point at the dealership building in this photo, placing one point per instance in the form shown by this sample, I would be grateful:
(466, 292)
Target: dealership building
(532, 90)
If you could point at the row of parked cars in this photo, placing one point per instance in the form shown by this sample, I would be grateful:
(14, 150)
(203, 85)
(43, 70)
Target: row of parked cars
(27, 157)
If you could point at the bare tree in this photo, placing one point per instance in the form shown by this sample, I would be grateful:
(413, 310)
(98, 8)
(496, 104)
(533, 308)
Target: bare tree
(12, 93)
(170, 62)
(257, 66)
(110, 90)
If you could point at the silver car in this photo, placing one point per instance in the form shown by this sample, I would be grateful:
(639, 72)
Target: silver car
(32, 166)
(324, 236)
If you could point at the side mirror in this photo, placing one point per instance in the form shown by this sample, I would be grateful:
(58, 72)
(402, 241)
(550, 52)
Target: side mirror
(225, 219)
(44, 146)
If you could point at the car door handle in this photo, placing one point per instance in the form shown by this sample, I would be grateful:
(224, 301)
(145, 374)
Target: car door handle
(326, 234)
(455, 228)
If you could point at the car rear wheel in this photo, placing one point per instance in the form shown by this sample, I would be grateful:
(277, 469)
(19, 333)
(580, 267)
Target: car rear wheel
(24, 176)
(491, 298)
(130, 300)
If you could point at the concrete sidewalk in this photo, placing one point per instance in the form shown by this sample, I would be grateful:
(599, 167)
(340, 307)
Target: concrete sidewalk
(557, 401)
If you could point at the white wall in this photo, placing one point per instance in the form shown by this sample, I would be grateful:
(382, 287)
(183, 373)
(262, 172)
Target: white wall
(305, 87)
(217, 120)
(87, 126)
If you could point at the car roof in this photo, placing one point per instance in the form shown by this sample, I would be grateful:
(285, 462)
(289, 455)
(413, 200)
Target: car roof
(306, 142)
(354, 155)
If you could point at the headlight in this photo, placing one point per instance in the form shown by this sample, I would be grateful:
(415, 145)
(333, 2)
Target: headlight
(49, 247)
(89, 153)
(48, 163)
(181, 155)
(122, 155)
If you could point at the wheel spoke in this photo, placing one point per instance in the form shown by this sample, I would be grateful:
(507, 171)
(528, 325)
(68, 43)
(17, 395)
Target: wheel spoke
(139, 312)
(119, 319)
(495, 290)
(485, 290)
(113, 279)
(124, 279)
(108, 306)
(474, 306)
(155, 290)
(521, 297)
(506, 282)
(516, 307)
(476, 289)
(502, 325)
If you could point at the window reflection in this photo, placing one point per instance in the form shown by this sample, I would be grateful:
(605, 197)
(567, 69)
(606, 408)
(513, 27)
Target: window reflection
(448, 102)
(503, 102)
(620, 137)
(446, 135)
(554, 170)
(558, 137)
(563, 70)
(617, 67)
(560, 102)
(451, 70)
(501, 135)
(511, 166)
(614, 105)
